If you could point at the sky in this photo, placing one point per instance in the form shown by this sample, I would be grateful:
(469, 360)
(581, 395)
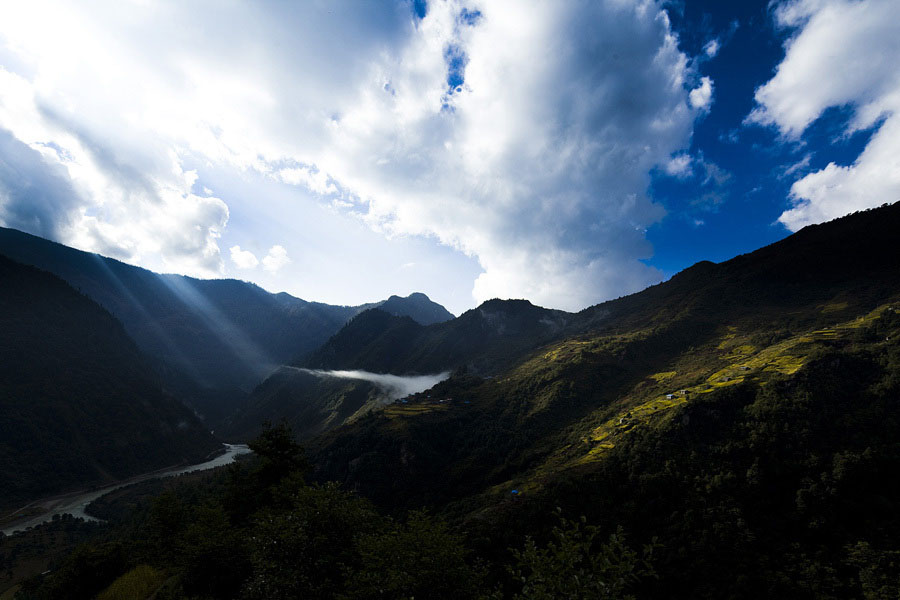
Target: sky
(563, 152)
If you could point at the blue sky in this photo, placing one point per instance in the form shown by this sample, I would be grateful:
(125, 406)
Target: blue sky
(718, 221)
(564, 152)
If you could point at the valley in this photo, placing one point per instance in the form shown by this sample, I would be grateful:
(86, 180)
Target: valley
(76, 504)
(740, 417)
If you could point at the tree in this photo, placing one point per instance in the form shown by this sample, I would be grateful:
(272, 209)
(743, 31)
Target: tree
(421, 558)
(575, 565)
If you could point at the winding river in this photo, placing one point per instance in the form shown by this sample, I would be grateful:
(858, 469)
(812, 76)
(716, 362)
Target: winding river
(75, 504)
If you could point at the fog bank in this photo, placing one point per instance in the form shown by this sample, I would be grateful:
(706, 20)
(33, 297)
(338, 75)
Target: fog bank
(394, 386)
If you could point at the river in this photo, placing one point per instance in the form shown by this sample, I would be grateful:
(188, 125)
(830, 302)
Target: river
(75, 503)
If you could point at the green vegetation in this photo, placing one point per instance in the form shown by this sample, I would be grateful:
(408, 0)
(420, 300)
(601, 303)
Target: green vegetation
(140, 582)
(574, 565)
(257, 531)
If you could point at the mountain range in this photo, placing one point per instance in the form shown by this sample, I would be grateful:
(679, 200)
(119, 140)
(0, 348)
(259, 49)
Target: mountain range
(544, 386)
(212, 340)
(739, 421)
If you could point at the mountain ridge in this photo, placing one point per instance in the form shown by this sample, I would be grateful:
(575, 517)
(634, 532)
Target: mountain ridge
(764, 306)
(496, 335)
(213, 340)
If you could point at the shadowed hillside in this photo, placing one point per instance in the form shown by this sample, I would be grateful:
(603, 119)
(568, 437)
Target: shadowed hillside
(79, 403)
(481, 340)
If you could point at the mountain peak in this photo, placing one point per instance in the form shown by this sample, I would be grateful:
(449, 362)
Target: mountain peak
(417, 306)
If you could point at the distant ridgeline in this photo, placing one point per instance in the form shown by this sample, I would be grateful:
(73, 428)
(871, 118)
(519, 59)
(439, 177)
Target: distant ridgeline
(79, 403)
(212, 340)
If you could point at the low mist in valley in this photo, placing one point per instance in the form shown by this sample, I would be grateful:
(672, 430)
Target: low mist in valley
(393, 386)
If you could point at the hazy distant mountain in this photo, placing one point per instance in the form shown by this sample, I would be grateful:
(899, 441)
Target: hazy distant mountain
(79, 403)
(214, 340)
(482, 339)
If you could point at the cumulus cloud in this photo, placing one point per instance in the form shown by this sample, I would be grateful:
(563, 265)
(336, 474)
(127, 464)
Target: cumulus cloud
(711, 48)
(312, 178)
(841, 53)
(275, 259)
(135, 204)
(35, 194)
(522, 136)
(679, 166)
(701, 96)
(538, 163)
(243, 259)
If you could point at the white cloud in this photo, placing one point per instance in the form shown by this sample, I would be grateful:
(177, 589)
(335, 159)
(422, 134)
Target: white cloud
(701, 96)
(679, 166)
(537, 165)
(275, 259)
(712, 47)
(798, 166)
(243, 259)
(842, 53)
(313, 179)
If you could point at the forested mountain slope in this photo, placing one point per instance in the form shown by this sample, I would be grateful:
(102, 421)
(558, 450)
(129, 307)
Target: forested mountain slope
(79, 403)
(756, 375)
(481, 340)
(755, 316)
(849, 264)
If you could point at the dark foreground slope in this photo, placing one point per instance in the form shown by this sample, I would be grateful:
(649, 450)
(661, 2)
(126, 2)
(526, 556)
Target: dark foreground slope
(79, 403)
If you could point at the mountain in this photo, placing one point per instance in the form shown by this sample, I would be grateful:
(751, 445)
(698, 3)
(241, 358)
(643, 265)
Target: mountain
(530, 367)
(729, 433)
(79, 403)
(213, 340)
(418, 307)
(479, 341)
(310, 404)
(848, 264)
(745, 412)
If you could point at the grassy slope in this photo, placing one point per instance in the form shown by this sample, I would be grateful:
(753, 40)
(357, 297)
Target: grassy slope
(563, 406)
